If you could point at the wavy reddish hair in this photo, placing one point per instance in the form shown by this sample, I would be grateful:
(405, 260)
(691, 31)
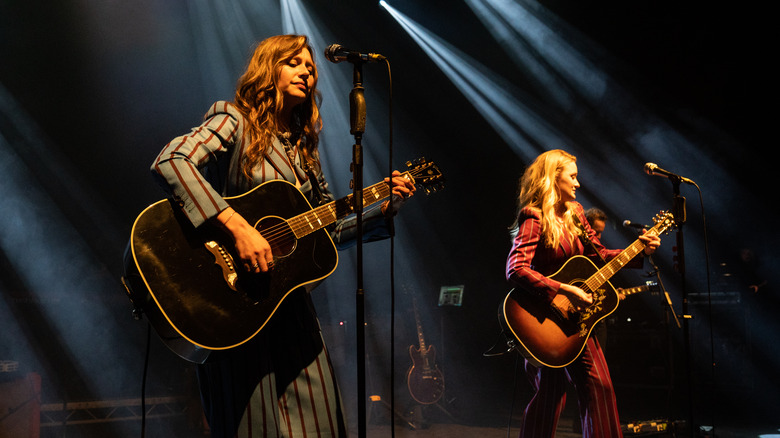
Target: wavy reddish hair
(259, 100)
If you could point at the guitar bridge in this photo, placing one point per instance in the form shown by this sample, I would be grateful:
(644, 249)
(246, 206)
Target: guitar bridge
(224, 260)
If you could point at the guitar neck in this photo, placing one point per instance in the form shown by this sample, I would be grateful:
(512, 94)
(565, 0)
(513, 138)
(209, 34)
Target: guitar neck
(635, 290)
(329, 213)
(420, 337)
(616, 264)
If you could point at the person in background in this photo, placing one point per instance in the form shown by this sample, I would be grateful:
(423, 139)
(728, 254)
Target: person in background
(597, 220)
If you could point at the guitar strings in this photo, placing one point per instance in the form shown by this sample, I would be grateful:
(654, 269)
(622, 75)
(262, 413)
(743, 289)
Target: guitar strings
(618, 262)
(285, 231)
(287, 228)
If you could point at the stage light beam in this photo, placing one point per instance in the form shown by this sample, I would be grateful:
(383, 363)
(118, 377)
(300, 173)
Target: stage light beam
(500, 103)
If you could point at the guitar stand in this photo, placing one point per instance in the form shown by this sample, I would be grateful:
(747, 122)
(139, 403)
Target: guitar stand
(416, 419)
(412, 420)
(445, 411)
(375, 399)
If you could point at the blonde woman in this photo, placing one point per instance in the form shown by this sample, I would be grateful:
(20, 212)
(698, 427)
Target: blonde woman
(545, 235)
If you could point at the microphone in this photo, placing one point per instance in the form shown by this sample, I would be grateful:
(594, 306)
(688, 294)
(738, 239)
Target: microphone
(336, 53)
(629, 224)
(653, 169)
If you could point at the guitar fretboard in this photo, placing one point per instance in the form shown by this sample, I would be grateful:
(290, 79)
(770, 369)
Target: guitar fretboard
(605, 273)
(637, 289)
(327, 214)
(417, 321)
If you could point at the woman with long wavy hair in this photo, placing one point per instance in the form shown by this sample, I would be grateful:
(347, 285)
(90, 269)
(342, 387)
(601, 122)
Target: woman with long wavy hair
(546, 234)
(280, 382)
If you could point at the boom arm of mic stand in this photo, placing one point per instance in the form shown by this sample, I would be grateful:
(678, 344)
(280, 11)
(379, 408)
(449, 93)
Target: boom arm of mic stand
(663, 289)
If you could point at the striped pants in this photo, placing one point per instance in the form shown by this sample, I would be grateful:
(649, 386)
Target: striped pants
(278, 385)
(596, 396)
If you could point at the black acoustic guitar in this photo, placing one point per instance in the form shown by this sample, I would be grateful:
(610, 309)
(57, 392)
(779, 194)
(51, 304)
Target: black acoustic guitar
(554, 335)
(424, 379)
(188, 282)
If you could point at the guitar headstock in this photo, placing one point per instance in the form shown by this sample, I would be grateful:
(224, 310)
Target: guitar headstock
(426, 174)
(663, 222)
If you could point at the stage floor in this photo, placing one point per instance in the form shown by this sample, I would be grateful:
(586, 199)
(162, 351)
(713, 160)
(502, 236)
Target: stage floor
(564, 431)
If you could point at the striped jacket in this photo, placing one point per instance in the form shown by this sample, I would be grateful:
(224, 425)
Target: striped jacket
(530, 261)
(201, 167)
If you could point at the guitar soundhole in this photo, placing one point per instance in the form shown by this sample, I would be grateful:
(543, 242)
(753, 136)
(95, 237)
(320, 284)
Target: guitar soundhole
(278, 234)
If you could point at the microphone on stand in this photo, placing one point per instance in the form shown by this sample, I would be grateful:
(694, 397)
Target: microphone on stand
(629, 224)
(653, 169)
(336, 53)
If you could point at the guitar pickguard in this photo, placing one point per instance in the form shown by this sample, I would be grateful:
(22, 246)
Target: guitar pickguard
(596, 308)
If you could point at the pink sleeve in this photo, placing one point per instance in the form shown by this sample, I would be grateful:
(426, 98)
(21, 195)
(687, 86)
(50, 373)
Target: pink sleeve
(519, 270)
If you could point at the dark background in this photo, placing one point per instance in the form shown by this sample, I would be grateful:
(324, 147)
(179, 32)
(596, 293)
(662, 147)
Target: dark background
(92, 91)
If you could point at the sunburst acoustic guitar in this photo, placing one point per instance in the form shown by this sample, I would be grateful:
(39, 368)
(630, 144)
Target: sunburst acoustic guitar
(554, 335)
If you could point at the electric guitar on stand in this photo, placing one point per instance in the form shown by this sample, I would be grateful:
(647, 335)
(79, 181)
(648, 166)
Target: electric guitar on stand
(424, 379)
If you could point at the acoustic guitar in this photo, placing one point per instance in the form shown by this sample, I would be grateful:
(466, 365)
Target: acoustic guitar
(189, 283)
(554, 334)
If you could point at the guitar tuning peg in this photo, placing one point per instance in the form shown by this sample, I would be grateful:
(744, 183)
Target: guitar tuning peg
(416, 162)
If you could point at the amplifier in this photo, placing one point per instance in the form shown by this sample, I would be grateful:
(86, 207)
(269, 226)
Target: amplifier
(726, 297)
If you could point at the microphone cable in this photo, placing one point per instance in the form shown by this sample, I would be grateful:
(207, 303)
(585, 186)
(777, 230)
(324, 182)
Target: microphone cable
(392, 244)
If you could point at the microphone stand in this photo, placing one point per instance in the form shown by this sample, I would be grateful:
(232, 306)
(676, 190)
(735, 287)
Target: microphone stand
(680, 217)
(357, 120)
(667, 298)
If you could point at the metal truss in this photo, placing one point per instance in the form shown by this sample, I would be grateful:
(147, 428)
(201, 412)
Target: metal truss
(73, 413)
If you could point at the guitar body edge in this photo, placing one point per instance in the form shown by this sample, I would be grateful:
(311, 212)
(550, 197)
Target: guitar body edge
(546, 336)
(536, 351)
(191, 307)
(425, 383)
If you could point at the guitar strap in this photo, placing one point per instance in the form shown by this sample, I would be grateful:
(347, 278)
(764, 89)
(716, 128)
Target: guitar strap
(586, 240)
(315, 186)
(284, 138)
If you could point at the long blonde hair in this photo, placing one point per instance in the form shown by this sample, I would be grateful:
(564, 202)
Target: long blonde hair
(259, 101)
(539, 191)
